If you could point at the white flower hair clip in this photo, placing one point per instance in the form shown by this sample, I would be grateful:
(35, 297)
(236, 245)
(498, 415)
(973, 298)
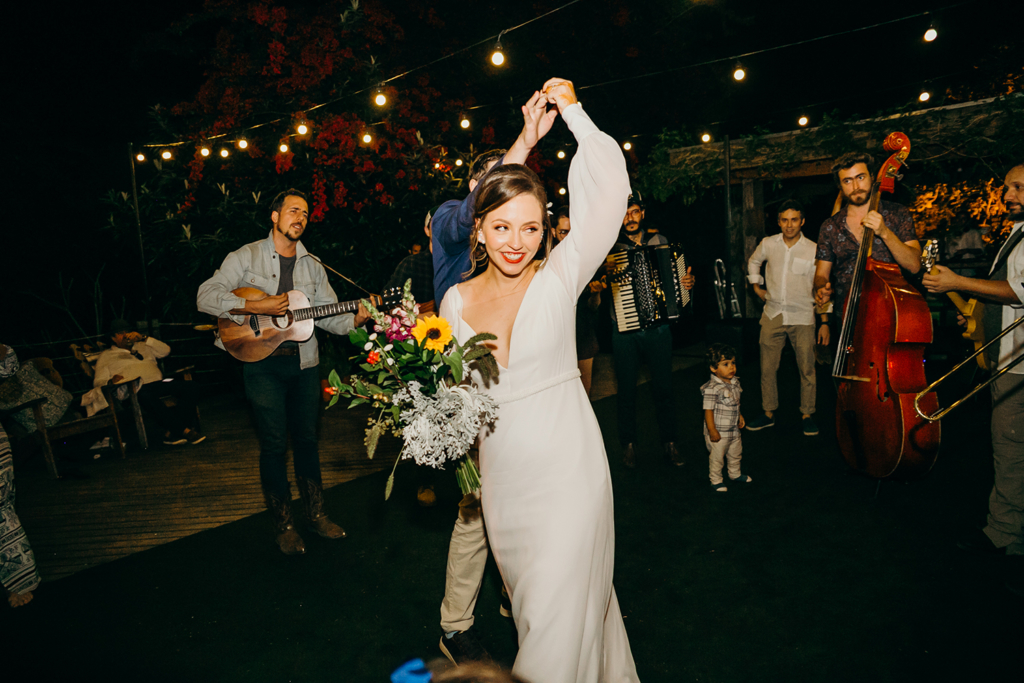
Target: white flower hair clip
(549, 209)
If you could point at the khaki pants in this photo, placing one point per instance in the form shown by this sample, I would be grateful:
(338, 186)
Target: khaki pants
(1006, 502)
(467, 558)
(727, 450)
(773, 339)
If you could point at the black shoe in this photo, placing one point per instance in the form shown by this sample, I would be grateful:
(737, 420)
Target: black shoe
(978, 543)
(629, 456)
(673, 455)
(505, 609)
(1015, 574)
(463, 647)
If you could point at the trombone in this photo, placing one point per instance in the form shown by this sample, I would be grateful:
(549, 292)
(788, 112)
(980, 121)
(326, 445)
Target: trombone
(942, 413)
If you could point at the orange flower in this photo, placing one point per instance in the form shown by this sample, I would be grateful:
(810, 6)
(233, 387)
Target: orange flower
(373, 358)
(433, 332)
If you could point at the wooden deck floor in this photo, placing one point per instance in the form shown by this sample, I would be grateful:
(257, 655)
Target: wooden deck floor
(155, 497)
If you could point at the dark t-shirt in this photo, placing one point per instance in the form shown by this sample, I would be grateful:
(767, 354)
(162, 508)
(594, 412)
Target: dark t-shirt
(838, 246)
(420, 269)
(286, 284)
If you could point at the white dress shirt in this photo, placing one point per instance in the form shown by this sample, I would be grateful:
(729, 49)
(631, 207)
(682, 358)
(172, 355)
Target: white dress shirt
(790, 277)
(118, 361)
(1012, 345)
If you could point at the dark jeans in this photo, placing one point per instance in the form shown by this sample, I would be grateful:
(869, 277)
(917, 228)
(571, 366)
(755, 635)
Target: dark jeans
(173, 419)
(655, 345)
(284, 399)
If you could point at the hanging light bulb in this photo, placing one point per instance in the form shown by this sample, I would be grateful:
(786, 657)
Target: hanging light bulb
(437, 164)
(706, 137)
(931, 34)
(924, 96)
(224, 153)
(498, 57)
(205, 151)
(561, 190)
(283, 148)
(561, 154)
(464, 123)
(739, 73)
(802, 120)
(166, 154)
(380, 99)
(302, 129)
(140, 157)
(458, 162)
(367, 138)
(627, 146)
(242, 144)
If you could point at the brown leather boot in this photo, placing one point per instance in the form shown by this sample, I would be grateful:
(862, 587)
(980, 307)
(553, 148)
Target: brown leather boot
(673, 455)
(288, 539)
(312, 494)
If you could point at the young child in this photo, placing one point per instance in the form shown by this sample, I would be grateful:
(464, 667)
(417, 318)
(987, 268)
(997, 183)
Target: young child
(722, 418)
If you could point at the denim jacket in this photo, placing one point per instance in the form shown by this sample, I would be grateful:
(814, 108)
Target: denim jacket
(256, 265)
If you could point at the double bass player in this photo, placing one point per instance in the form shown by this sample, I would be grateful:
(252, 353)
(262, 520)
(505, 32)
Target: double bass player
(891, 226)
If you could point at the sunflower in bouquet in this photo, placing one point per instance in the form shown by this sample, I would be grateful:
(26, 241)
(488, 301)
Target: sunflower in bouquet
(416, 376)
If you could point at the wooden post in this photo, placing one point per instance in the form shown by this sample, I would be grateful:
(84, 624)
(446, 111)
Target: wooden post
(752, 234)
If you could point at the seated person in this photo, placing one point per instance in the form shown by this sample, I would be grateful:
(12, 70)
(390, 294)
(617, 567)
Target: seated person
(133, 356)
(18, 574)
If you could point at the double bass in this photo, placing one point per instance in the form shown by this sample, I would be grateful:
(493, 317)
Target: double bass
(879, 363)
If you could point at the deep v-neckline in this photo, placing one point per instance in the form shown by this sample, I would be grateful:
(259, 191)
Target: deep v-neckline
(512, 332)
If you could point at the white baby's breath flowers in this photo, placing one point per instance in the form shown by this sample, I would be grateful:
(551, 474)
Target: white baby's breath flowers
(442, 427)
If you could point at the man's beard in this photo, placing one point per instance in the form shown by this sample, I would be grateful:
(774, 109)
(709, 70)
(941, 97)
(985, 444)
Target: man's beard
(1016, 212)
(635, 227)
(284, 232)
(859, 202)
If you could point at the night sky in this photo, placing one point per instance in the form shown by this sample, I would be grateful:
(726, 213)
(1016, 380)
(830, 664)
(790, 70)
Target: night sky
(82, 80)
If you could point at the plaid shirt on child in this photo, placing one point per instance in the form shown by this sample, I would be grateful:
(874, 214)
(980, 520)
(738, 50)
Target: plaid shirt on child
(724, 399)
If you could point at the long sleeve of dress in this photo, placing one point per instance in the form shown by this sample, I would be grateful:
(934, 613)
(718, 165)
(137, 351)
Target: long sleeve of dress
(598, 191)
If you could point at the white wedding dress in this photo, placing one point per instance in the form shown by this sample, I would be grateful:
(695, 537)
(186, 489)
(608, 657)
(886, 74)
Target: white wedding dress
(547, 493)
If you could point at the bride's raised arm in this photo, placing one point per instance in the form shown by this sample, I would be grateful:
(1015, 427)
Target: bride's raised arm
(598, 191)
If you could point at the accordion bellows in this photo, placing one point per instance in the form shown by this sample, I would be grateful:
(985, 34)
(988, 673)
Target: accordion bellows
(645, 286)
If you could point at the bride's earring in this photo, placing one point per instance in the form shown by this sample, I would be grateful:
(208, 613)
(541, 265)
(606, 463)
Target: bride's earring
(480, 236)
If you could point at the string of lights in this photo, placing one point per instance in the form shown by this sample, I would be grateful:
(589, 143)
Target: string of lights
(380, 99)
(497, 58)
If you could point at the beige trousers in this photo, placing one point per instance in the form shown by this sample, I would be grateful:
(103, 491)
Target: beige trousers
(727, 450)
(773, 339)
(467, 558)
(1006, 502)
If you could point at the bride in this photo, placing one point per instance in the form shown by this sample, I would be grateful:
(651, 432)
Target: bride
(547, 494)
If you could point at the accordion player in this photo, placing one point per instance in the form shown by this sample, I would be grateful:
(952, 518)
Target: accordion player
(645, 286)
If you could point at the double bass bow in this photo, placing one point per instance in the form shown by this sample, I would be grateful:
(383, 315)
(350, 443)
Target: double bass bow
(879, 363)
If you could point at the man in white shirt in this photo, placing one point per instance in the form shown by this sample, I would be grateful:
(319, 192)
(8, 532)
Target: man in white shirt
(134, 356)
(788, 312)
(1004, 294)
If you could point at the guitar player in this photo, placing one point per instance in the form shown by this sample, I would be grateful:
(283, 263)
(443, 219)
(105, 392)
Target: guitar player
(284, 388)
(1003, 291)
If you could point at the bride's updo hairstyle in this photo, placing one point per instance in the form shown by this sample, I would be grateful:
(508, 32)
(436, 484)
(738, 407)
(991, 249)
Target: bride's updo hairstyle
(501, 186)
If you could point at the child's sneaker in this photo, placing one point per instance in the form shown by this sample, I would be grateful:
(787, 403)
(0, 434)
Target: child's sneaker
(760, 422)
(719, 488)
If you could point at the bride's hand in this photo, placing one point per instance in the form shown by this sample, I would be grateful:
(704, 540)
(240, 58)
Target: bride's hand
(560, 92)
(537, 120)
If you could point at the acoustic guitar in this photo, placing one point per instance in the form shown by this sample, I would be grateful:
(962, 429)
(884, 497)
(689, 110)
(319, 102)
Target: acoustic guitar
(973, 311)
(259, 335)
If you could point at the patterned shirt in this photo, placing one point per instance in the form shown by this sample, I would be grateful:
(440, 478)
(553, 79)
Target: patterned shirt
(724, 398)
(838, 246)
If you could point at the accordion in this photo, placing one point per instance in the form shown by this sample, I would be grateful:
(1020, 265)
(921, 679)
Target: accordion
(645, 286)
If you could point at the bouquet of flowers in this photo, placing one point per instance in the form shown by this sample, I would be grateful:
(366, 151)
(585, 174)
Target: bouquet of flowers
(411, 373)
